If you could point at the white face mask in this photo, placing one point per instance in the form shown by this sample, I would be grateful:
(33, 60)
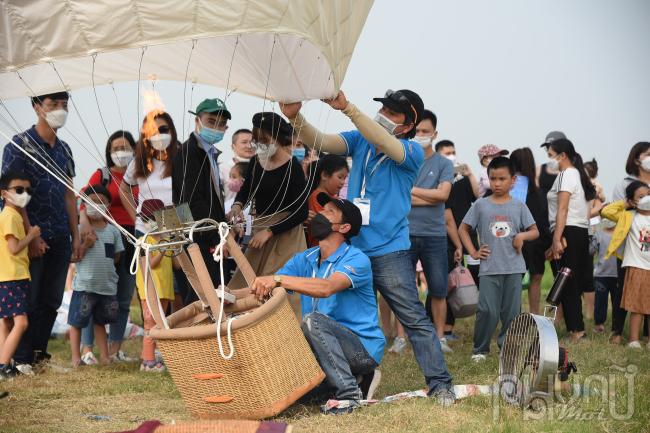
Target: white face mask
(149, 226)
(553, 164)
(264, 151)
(56, 118)
(386, 123)
(644, 203)
(451, 157)
(121, 158)
(160, 141)
(94, 213)
(645, 164)
(20, 200)
(423, 140)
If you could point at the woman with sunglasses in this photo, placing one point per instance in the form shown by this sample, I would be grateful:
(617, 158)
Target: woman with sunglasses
(119, 153)
(150, 170)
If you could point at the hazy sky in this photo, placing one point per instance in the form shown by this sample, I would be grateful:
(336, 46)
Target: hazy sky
(502, 71)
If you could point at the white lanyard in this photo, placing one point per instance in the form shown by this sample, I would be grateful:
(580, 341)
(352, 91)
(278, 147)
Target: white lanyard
(314, 301)
(365, 168)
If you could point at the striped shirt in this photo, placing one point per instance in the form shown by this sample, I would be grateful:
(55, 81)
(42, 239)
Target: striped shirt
(96, 272)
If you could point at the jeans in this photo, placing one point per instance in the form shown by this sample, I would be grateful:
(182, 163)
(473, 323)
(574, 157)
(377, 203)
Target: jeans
(499, 299)
(48, 283)
(432, 253)
(340, 354)
(605, 287)
(394, 277)
(125, 289)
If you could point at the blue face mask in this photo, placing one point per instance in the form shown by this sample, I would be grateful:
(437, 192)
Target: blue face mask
(299, 153)
(209, 135)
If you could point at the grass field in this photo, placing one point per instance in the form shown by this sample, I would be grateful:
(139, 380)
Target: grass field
(66, 402)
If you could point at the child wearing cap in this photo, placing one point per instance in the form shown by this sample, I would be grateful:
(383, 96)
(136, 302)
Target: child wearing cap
(94, 286)
(486, 154)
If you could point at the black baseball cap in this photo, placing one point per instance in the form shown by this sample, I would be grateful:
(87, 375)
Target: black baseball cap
(351, 213)
(551, 137)
(404, 101)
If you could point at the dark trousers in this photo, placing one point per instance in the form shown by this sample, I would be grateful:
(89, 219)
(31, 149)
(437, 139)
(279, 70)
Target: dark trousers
(48, 283)
(605, 287)
(576, 257)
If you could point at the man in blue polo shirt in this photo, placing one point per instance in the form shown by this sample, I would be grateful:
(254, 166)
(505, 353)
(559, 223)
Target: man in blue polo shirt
(385, 166)
(53, 208)
(339, 306)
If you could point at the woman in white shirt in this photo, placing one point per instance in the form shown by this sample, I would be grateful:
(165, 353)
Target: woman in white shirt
(568, 214)
(151, 169)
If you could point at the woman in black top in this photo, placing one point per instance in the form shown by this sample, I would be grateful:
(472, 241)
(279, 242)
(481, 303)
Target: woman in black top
(275, 189)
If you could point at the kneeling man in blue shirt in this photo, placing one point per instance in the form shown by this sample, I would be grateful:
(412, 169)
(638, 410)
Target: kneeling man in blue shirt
(339, 306)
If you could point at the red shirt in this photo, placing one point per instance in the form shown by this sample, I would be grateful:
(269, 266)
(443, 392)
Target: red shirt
(117, 210)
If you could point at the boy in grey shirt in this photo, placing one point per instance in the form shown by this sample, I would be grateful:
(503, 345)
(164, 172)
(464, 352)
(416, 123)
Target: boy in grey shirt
(503, 224)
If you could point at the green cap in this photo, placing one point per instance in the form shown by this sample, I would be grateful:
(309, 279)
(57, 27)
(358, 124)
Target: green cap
(212, 106)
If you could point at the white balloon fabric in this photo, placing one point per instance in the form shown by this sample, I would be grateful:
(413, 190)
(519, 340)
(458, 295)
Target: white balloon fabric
(281, 50)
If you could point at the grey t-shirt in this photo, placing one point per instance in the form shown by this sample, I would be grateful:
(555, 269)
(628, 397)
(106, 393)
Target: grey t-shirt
(96, 272)
(604, 268)
(430, 220)
(497, 225)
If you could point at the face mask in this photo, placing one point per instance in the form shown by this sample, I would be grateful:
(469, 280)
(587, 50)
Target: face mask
(553, 164)
(240, 159)
(451, 157)
(94, 213)
(56, 119)
(386, 123)
(20, 200)
(210, 136)
(423, 140)
(299, 153)
(321, 227)
(265, 151)
(160, 141)
(149, 226)
(644, 203)
(121, 158)
(234, 185)
(645, 164)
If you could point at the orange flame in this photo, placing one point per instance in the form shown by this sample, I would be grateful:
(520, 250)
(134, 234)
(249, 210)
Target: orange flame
(153, 106)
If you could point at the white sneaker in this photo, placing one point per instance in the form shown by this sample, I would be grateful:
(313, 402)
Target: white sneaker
(25, 369)
(121, 357)
(88, 358)
(634, 345)
(399, 345)
(478, 357)
(444, 346)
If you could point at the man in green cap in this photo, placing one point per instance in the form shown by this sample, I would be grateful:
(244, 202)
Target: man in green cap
(195, 176)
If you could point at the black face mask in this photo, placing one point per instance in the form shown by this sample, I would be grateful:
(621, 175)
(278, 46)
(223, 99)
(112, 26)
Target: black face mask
(321, 227)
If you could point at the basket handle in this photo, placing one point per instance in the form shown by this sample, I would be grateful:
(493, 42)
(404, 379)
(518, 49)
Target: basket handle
(241, 260)
(192, 277)
(209, 292)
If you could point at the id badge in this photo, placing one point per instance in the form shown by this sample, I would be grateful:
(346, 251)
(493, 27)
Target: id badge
(364, 206)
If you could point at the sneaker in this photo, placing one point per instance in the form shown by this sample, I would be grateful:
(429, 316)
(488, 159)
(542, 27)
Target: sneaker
(8, 372)
(399, 345)
(445, 397)
(369, 384)
(121, 357)
(339, 407)
(152, 367)
(88, 358)
(634, 345)
(479, 357)
(444, 346)
(452, 337)
(25, 369)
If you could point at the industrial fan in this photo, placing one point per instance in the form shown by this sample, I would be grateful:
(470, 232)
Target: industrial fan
(532, 364)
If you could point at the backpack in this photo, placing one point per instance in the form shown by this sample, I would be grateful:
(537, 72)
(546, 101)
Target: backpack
(106, 176)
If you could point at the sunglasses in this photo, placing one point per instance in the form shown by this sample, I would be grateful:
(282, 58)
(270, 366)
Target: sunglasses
(401, 99)
(164, 129)
(21, 189)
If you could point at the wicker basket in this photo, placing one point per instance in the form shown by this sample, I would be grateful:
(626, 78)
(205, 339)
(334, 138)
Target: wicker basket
(229, 426)
(273, 365)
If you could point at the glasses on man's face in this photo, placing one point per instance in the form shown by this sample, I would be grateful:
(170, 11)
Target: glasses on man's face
(163, 129)
(21, 189)
(401, 99)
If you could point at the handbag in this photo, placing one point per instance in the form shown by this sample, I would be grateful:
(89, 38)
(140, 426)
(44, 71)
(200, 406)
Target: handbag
(463, 293)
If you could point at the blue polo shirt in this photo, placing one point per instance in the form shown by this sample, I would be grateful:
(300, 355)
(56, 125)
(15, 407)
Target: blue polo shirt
(47, 206)
(388, 186)
(355, 307)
